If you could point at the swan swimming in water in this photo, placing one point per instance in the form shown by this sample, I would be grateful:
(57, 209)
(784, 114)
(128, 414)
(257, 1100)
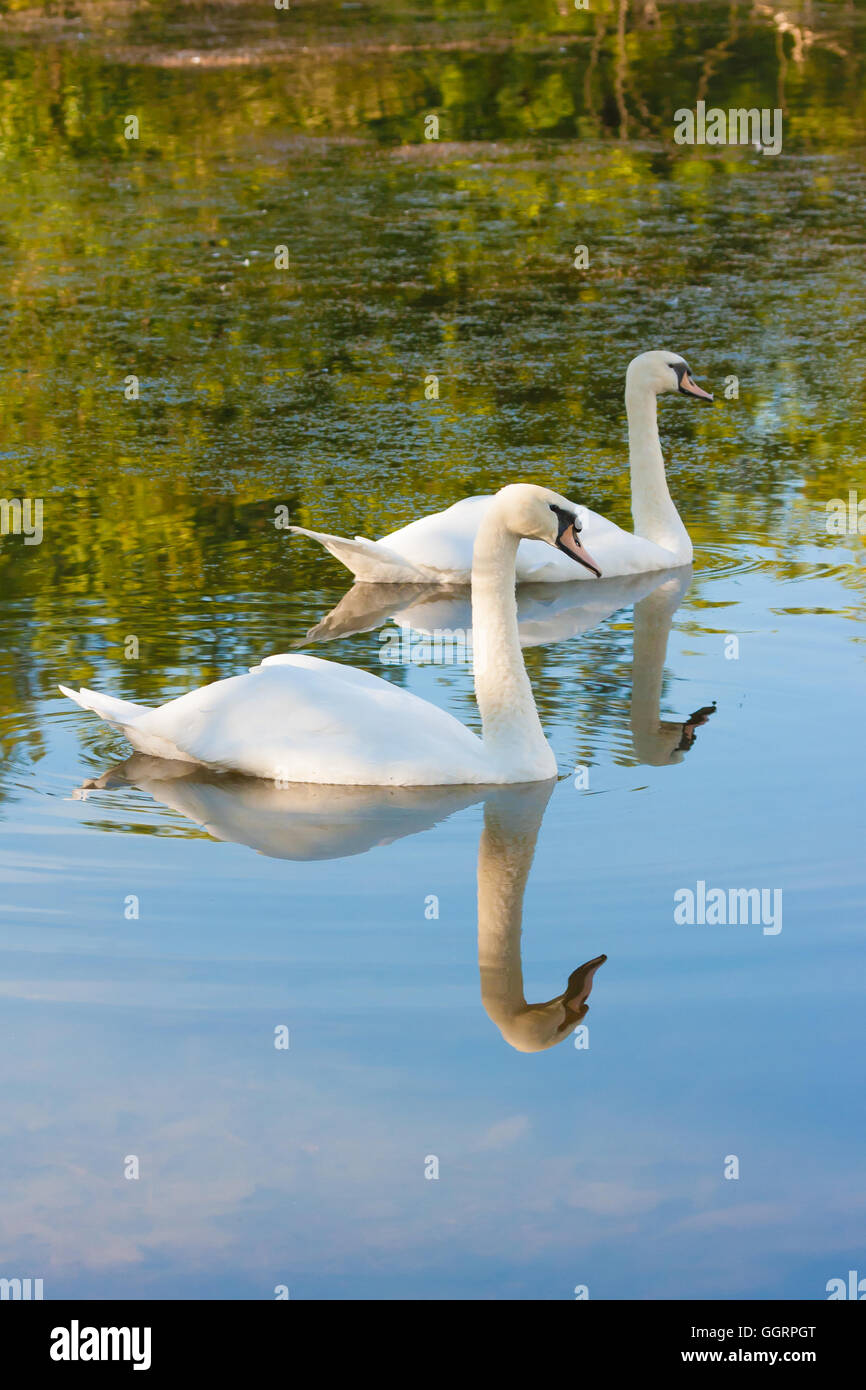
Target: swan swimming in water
(307, 821)
(310, 822)
(297, 718)
(438, 548)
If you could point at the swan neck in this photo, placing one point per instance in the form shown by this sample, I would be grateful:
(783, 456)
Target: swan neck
(512, 734)
(655, 517)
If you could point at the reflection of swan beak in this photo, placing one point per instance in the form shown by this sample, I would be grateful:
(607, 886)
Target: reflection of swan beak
(569, 541)
(578, 990)
(691, 726)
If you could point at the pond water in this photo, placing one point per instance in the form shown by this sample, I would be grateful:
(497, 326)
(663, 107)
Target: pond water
(426, 1133)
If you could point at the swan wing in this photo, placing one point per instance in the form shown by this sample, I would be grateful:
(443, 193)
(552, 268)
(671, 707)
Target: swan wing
(435, 548)
(620, 552)
(438, 549)
(369, 561)
(616, 551)
(297, 718)
(440, 546)
(108, 707)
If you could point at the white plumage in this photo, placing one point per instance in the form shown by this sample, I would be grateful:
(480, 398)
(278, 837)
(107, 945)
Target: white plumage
(297, 718)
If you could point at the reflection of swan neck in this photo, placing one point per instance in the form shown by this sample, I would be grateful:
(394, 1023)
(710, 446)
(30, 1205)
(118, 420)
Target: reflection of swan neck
(655, 742)
(512, 729)
(504, 862)
(511, 824)
(653, 512)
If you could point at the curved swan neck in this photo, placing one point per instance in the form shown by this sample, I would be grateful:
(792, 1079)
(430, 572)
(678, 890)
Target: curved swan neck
(653, 512)
(512, 732)
(505, 854)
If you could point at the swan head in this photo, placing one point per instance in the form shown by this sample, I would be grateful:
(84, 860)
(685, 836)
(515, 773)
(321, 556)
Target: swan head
(660, 371)
(536, 513)
(537, 1027)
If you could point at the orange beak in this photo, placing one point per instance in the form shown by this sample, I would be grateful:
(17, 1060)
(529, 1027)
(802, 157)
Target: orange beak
(690, 387)
(569, 541)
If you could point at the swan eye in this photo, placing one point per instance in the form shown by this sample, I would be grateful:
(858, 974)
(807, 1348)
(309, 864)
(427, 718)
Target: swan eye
(577, 524)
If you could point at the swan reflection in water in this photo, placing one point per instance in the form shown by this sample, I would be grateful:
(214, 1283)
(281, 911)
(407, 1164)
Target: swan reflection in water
(656, 741)
(307, 822)
(548, 613)
(545, 612)
(303, 821)
(512, 819)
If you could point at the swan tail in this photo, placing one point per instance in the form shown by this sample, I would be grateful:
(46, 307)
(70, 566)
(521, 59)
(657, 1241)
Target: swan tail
(370, 561)
(112, 710)
(124, 715)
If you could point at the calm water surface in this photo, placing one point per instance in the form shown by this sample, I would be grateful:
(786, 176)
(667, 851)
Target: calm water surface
(411, 1035)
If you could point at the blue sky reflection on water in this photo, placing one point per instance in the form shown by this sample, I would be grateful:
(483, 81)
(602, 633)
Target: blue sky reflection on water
(599, 1166)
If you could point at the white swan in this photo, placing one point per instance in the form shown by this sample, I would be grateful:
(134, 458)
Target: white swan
(438, 548)
(545, 612)
(310, 821)
(296, 718)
